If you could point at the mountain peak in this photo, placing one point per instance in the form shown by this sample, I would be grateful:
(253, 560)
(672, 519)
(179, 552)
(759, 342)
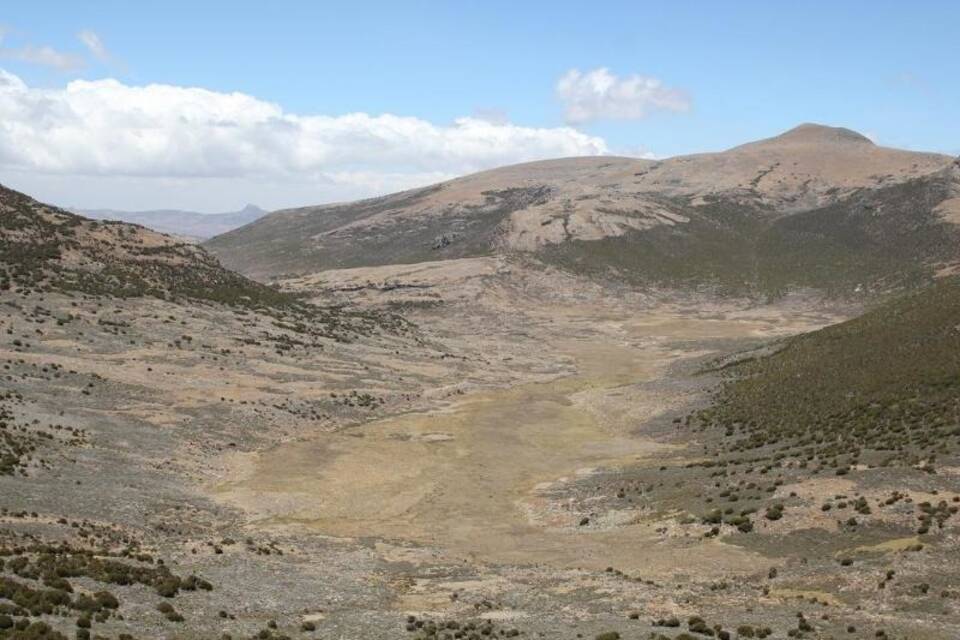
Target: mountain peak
(819, 133)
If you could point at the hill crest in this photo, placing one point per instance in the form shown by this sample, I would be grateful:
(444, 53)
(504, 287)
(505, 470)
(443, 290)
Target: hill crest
(807, 190)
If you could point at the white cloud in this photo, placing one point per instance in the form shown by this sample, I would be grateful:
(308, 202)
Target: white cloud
(158, 132)
(94, 45)
(45, 56)
(636, 151)
(492, 115)
(600, 95)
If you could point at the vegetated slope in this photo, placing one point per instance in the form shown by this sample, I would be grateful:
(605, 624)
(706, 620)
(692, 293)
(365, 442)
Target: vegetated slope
(121, 381)
(816, 206)
(874, 239)
(43, 247)
(188, 224)
(882, 389)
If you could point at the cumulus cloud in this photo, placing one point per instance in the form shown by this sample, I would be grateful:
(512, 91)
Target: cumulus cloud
(94, 45)
(108, 128)
(601, 95)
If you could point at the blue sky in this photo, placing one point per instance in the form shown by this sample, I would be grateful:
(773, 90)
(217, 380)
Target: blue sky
(725, 72)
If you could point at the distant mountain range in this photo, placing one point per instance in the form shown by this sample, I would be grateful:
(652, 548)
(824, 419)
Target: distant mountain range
(186, 224)
(815, 207)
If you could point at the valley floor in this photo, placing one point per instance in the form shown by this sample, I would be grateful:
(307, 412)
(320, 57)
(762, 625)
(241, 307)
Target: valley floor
(483, 477)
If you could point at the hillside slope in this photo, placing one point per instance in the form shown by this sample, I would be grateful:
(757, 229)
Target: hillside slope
(816, 206)
(883, 388)
(46, 248)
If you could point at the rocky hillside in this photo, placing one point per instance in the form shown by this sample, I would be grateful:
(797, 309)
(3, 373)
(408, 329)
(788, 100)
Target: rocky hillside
(816, 206)
(46, 248)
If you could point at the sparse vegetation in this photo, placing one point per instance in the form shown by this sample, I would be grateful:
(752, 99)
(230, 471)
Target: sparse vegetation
(879, 390)
(162, 418)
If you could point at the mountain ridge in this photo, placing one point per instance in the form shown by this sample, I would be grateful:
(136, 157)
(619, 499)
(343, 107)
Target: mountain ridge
(707, 220)
(187, 224)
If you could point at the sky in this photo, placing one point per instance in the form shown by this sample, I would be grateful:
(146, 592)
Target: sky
(212, 105)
